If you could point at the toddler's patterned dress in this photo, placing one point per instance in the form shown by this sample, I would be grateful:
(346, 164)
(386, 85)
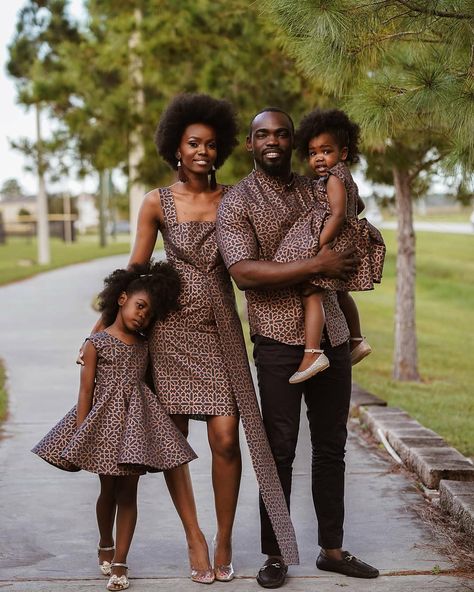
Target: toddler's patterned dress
(302, 239)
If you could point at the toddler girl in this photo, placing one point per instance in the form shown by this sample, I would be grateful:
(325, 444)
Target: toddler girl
(118, 429)
(328, 139)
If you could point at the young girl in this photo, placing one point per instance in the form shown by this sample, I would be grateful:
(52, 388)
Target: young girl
(328, 139)
(118, 429)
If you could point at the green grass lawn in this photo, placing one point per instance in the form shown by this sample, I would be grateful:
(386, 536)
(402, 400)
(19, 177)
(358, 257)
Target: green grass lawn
(444, 400)
(454, 214)
(18, 255)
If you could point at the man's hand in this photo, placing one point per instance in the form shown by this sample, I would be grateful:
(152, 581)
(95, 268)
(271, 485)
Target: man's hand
(337, 265)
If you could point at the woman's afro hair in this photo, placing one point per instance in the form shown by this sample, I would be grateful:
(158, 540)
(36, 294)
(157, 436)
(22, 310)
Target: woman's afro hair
(160, 280)
(186, 109)
(331, 121)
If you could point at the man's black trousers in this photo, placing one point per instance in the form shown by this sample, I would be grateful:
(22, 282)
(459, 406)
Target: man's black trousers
(327, 397)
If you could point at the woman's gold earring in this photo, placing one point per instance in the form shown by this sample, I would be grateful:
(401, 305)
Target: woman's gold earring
(181, 175)
(212, 180)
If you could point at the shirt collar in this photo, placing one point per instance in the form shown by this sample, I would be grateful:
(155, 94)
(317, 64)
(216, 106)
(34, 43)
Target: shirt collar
(276, 183)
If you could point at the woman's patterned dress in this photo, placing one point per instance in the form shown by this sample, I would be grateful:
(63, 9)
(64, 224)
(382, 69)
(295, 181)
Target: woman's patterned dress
(302, 240)
(127, 431)
(199, 360)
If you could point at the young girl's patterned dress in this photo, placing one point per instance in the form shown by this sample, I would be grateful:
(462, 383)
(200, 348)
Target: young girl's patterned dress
(302, 239)
(127, 431)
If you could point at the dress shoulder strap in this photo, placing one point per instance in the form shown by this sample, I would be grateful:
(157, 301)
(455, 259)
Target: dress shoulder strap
(167, 205)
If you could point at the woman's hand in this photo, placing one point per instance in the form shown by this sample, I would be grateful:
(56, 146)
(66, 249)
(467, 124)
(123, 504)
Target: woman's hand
(80, 355)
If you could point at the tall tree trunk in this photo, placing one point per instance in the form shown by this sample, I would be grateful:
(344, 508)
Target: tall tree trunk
(103, 205)
(405, 363)
(136, 154)
(42, 224)
(67, 218)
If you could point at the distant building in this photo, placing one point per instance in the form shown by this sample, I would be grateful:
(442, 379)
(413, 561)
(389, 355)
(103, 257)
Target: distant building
(87, 213)
(11, 206)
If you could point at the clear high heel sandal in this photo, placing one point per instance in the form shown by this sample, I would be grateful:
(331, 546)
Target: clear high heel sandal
(223, 573)
(202, 576)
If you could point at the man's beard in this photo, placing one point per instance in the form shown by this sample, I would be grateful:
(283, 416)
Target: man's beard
(274, 169)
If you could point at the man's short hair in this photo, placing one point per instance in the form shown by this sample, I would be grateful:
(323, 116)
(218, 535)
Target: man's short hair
(271, 110)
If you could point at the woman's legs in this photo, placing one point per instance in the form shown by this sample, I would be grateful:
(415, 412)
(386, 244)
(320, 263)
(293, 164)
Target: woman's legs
(180, 487)
(105, 511)
(223, 435)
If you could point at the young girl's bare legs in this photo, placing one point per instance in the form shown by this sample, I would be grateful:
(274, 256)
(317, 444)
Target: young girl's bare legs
(117, 503)
(105, 511)
(314, 360)
(180, 487)
(359, 346)
(223, 435)
(126, 520)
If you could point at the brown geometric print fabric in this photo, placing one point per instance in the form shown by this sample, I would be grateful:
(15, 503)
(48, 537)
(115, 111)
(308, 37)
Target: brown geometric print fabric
(199, 359)
(127, 431)
(187, 359)
(302, 240)
(253, 219)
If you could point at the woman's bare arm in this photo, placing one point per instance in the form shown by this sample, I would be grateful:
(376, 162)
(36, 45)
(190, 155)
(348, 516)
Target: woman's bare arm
(150, 218)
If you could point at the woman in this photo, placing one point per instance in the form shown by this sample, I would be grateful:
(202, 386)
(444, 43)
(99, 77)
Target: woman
(199, 361)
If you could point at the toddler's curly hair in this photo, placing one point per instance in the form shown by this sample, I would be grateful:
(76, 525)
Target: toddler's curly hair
(331, 121)
(188, 108)
(159, 279)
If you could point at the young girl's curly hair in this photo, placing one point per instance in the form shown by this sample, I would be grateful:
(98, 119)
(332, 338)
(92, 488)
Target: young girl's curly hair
(160, 280)
(331, 121)
(189, 108)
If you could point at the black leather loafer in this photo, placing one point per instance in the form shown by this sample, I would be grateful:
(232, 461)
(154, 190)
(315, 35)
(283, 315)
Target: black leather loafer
(349, 565)
(272, 574)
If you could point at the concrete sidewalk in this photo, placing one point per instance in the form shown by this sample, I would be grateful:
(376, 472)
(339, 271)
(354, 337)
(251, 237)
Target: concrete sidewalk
(48, 533)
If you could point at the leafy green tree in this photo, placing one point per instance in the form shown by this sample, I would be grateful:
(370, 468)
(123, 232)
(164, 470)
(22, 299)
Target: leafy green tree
(132, 59)
(404, 70)
(11, 188)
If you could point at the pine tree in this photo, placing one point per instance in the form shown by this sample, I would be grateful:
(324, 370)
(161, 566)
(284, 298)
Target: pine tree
(404, 70)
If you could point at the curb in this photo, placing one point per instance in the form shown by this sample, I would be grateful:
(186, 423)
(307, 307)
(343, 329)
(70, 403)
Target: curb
(422, 451)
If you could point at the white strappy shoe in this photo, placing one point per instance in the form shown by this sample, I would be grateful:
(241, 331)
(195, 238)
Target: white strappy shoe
(118, 582)
(105, 566)
(360, 351)
(319, 364)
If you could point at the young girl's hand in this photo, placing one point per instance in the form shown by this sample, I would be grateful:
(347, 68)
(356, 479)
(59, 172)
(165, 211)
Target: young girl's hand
(80, 355)
(86, 389)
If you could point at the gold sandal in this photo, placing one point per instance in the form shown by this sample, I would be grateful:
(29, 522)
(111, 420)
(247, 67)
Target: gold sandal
(118, 582)
(105, 566)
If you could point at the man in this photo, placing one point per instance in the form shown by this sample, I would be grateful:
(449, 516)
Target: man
(252, 221)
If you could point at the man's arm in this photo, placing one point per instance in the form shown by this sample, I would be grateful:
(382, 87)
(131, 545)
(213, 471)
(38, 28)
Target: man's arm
(250, 274)
(238, 245)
